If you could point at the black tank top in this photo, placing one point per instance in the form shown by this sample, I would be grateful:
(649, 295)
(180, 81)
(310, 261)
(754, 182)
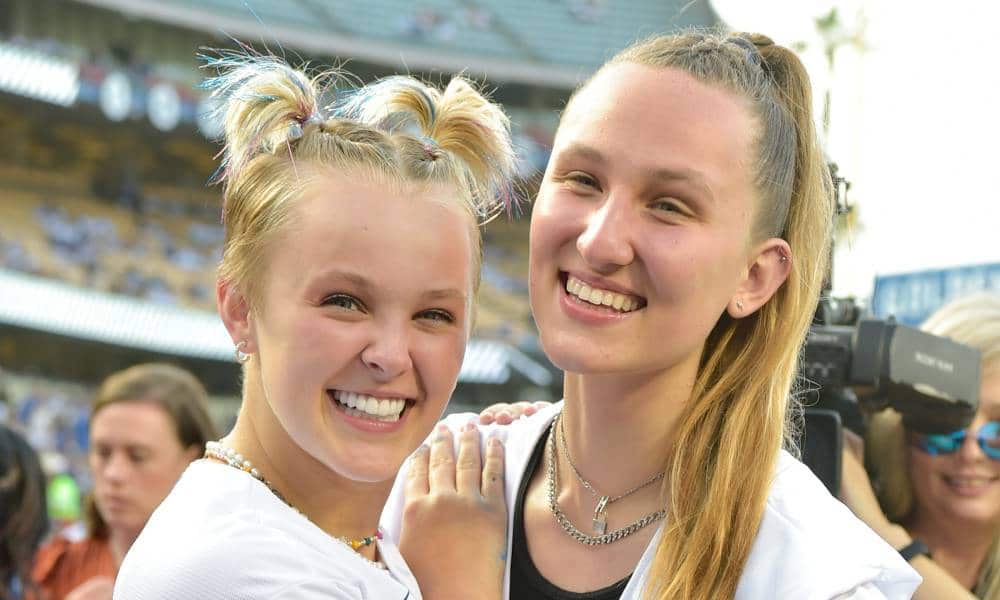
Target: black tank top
(526, 583)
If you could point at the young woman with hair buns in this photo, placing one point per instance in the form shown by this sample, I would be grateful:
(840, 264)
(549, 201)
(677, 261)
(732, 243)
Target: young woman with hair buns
(349, 272)
(679, 243)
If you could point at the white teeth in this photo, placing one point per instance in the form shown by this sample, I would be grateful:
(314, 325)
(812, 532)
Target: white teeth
(359, 405)
(968, 481)
(584, 292)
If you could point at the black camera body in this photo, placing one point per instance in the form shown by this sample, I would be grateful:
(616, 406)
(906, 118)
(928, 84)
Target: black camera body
(857, 366)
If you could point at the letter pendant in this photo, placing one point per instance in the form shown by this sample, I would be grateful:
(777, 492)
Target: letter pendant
(601, 516)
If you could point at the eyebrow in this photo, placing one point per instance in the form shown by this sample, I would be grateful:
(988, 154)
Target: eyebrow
(366, 284)
(668, 174)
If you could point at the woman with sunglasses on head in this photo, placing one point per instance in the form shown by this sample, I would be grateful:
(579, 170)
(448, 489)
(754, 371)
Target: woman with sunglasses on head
(349, 272)
(939, 495)
(679, 243)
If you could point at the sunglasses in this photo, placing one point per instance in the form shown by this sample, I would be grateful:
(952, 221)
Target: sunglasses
(988, 437)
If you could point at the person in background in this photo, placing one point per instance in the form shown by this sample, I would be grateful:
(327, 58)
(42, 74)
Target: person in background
(678, 246)
(939, 495)
(23, 522)
(148, 422)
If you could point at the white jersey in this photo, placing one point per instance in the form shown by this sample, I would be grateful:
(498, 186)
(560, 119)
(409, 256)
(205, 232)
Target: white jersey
(221, 534)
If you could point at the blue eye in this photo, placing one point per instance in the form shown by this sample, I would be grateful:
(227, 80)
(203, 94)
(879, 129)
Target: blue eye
(578, 180)
(343, 301)
(669, 206)
(437, 315)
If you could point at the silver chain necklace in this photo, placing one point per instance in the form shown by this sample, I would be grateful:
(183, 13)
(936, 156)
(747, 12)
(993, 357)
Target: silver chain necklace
(567, 525)
(601, 511)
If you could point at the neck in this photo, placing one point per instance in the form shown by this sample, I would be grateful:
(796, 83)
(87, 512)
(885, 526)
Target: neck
(619, 429)
(337, 505)
(119, 541)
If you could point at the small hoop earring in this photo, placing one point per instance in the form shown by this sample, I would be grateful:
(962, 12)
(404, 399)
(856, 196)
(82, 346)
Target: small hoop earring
(739, 305)
(241, 356)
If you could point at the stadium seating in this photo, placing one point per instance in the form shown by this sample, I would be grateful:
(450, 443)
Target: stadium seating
(50, 227)
(576, 33)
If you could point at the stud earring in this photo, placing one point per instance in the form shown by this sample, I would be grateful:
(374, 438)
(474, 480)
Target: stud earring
(241, 356)
(739, 305)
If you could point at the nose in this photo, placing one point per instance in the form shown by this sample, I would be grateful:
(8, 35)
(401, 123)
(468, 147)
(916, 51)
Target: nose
(387, 355)
(606, 241)
(970, 450)
(116, 468)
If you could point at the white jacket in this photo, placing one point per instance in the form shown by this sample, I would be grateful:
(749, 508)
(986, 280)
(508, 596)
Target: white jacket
(809, 546)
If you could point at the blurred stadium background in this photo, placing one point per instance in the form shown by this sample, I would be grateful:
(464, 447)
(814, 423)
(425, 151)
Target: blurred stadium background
(109, 237)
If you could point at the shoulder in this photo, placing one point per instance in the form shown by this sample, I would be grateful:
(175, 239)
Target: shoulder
(230, 539)
(519, 439)
(64, 564)
(810, 545)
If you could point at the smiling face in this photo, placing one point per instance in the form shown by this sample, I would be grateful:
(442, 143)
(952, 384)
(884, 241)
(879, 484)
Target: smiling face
(648, 200)
(135, 457)
(363, 322)
(962, 487)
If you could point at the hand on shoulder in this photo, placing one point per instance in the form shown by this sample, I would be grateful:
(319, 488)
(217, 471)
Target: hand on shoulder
(454, 534)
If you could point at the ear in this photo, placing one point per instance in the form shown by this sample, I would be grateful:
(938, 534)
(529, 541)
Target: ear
(235, 312)
(771, 263)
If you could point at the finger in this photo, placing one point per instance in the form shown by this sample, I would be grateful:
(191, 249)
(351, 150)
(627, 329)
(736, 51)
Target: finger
(485, 418)
(442, 461)
(493, 488)
(469, 466)
(416, 474)
(540, 405)
(519, 409)
(504, 417)
(492, 409)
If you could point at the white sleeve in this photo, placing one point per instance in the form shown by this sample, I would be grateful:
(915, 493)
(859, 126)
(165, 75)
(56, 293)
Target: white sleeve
(866, 591)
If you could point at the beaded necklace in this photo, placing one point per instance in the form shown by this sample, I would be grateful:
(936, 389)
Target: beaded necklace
(216, 451)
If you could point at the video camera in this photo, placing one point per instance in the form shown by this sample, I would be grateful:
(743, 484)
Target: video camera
(855, 366)
(932, 381)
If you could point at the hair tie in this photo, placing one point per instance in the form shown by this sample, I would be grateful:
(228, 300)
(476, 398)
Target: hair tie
(431, 148)
(296, 127)
(749, 48)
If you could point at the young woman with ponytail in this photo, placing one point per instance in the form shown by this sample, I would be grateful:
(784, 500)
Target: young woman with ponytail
(679, 243)
(349, 271)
